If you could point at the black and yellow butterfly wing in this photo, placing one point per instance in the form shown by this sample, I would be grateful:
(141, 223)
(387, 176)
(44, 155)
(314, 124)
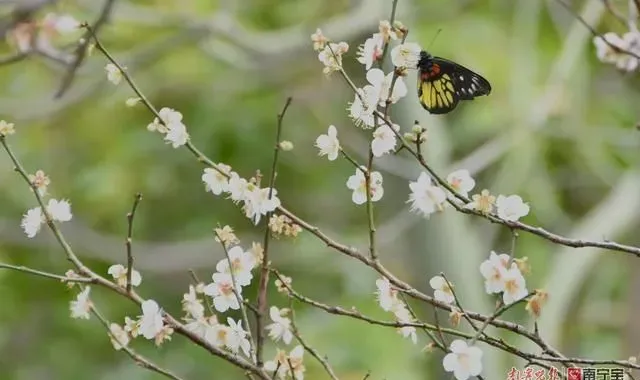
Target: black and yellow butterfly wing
(443, 83)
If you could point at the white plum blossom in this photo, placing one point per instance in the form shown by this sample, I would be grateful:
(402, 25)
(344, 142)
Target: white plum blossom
(358, 184)
(241, 264)
(6, 129)
(32, 221)
(81, 306)
(286, 363)
(281, 326)
(176, 135)
(119, 273)
(150, 323)
(371, 50)
(384, 140)
(461, 181)
(192, 305)
(40, 181)
(629, 42)
(382, 84)
(221, 290)
(215, 181)
(387, 31)
(237, 338)
(319, 40)
(114, 75)
(58, 211)
(442, 290)
(406, 55)
(511, 208)
(364, 105)
(387, 296)
(425, 197)
(514, 285)
(492, 270)
(464, 361)
(238, 188)
(258, 203)
(328, 144)
(483, 202)
(118, 336)
(331, 56)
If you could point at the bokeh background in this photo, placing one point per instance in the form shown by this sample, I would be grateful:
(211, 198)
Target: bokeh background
(558, 129)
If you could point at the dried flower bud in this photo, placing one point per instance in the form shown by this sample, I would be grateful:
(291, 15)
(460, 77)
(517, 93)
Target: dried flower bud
(535, 303)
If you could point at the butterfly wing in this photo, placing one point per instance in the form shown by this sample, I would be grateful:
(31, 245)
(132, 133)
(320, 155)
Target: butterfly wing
(444, 83)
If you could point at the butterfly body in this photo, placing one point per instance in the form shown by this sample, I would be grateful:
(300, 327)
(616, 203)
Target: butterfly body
(443, 83)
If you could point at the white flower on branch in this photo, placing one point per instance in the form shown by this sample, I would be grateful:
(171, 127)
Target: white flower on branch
(238, 188)
(192, 305)
(226, 236)
(406, 55)
(371, 50)
(132, 102)
(151, 322)
(363, 106)
(464, 361)
(382, 84)
(492, 270)
(257, 202)
(281, 326)
(286, 364)
(630, 42)
(403, 315)
(114, 75)
(6, 129)
(176, 135)
(442, 291)
(218, 334)
(331, 56)
(328, 144)
(515, 287)
(118, 336)
(358, 184)
(511, 208)
(32, 221)
(386, 295)
(241, 265)
(40, 181)
(483, 202)
(132, 326)
(215, 181)
(119, 273)
(425, 197)
(319, 40)
(81, 306)
(386, 31)
(461, 181)
(384, 140)
(221, 290)
(237, 338)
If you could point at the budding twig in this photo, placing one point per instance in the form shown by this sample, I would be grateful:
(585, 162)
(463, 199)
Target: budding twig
(264, 273)
(129, 240)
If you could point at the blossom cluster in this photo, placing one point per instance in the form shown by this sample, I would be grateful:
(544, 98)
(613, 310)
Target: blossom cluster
(621, 51)
(388, 300)
(256, 201)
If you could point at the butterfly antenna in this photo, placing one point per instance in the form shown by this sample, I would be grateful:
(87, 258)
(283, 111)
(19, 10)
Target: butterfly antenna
(434, 38)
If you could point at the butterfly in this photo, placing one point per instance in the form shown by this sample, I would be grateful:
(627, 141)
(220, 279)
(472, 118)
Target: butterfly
(443, 83)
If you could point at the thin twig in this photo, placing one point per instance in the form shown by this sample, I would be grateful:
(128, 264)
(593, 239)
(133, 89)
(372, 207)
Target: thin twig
(137, 358)
(294, 327)
(129, 240)
(36, 272)
(264, 273)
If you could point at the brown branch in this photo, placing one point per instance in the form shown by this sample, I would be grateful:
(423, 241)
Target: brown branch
(264, 273)
(129, 240)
